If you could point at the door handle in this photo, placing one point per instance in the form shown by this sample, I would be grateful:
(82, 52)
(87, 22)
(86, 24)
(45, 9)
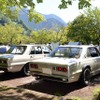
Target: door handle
(31, 56)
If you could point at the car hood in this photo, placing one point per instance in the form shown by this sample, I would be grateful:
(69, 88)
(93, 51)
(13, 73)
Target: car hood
(6, 56)
(56, 60)
(10, 56)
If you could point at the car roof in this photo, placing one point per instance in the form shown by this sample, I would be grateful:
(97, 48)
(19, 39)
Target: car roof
(30, 45)
(81, 46)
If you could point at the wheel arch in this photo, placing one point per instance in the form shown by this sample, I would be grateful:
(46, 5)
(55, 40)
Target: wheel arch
(23, 68)
(24, 65)
(81, 78)
(86, 66)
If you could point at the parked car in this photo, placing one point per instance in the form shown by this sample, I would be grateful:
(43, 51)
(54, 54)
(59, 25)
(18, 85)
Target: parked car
(3, 49)
(17, 58)
(68, 63)
(74, 43)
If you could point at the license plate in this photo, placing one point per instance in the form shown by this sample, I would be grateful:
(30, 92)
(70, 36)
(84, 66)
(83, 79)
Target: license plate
(46, 71)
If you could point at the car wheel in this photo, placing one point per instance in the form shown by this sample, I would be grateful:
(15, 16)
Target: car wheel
(25, 70)
(85, 77)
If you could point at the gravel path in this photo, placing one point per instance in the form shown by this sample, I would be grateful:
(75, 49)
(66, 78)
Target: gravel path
(46, 89)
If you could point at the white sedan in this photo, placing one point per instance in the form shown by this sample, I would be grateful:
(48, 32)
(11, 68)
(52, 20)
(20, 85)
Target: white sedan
(17, 58)
(68, 63)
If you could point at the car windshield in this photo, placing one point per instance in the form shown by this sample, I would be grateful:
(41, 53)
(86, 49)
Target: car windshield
(17, 49)
(66, 52)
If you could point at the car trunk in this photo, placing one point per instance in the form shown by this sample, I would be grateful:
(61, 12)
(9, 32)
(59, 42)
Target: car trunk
(49, 70)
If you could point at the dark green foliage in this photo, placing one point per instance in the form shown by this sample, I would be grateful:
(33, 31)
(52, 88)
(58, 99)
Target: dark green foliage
(86, 27)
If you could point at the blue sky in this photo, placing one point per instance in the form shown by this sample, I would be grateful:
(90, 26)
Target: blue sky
(68, 14)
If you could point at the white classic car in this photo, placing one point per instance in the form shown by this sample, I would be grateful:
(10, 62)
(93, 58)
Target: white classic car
(17, 57)
(68, 64)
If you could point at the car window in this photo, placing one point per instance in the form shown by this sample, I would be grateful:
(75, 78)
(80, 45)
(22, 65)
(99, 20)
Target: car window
(67, 52)
(45, 50)
(36, 50)
(17, 49)
(98, 48)
(92, 52)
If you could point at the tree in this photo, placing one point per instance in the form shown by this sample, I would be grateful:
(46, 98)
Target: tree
(34, 37)
(60, 35)
(10, 33)
(78, 30)
(86, 27)
(10, 7)
(42, 36)
(94, 14)
(81, 3)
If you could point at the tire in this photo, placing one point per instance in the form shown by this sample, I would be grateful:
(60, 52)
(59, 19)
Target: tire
(25, 71)
(85, 77)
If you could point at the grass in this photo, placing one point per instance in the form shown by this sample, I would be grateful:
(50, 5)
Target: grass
(11, 93)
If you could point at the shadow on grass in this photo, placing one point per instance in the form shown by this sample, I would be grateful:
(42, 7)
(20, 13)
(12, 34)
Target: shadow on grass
(53, 88)
(57, 88)
(9, 93)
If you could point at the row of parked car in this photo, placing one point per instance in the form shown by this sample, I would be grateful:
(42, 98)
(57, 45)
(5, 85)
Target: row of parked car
(66, 63)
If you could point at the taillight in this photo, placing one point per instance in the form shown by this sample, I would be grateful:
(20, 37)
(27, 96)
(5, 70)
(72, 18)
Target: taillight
(63, 69)
(34, 66)
(59, 68)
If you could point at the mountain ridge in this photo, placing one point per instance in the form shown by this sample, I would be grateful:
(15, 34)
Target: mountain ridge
(52, 22)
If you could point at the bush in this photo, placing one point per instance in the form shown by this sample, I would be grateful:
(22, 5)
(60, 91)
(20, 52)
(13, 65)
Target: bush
(96, 94)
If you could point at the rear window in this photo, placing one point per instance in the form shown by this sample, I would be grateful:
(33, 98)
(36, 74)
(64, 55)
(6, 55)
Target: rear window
(66, 52)
(17, 49)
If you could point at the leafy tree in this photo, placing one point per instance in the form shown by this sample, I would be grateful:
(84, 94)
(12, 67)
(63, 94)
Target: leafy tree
(4, 19)
(60, 36)
(94, 14)
(10, 7)
(24, 39)
(78, 30)
(34, 37)
(86, 27)
(10, 33)
(81, 3)
(47, 36)
(41, 36)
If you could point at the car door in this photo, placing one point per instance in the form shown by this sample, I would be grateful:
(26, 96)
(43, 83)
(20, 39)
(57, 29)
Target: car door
(36, 53)
(94, 55)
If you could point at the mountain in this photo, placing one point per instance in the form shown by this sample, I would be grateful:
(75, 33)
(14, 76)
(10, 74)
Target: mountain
(55, 17)
(52, 22)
